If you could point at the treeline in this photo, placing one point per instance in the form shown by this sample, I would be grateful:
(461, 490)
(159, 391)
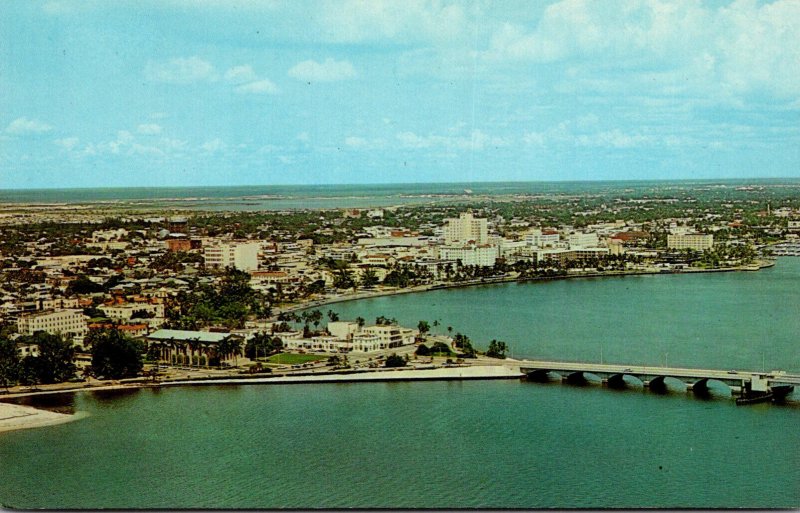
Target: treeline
(114, 356)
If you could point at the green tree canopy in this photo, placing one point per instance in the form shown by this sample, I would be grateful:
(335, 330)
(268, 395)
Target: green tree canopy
(114, 355)
(55, 362)
(10, 362)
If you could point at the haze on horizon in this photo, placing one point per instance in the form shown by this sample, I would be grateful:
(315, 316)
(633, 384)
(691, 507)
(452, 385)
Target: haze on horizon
(180, 92)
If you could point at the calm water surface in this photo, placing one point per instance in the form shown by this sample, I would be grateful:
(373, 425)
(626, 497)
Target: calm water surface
(494, 444)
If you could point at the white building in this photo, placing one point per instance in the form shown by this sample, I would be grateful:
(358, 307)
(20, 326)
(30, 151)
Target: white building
(541, 238)
(391, 336)
(470, 255)
(240, 255)
(466, 229)
(343, 329)
(583, 240)
(66, 322)
(124, 312)
(695, 241)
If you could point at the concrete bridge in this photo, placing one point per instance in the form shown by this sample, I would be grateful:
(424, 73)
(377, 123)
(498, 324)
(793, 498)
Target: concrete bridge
(655, 378)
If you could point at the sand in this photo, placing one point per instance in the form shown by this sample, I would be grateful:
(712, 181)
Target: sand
(15, 416)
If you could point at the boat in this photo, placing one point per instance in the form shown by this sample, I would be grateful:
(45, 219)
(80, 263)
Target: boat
(779, 392)
(776, 394)
(762, 397)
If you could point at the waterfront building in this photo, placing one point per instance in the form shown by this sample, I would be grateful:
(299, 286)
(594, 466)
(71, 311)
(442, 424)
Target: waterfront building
(695, 241)
(239, 255)
(65, 322)
(182, 346)
(466, 229)
(470, 255)
(343, 329)
(391, 335)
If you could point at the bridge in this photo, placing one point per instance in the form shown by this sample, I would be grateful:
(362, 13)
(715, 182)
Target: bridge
(654, 378)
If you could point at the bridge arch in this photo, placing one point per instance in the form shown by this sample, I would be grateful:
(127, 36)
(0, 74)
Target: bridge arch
(540, 376)
(708, 387)
(623, 380)
(576, 378)
(666, 384)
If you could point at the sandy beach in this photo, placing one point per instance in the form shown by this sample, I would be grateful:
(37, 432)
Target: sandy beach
(15, 416)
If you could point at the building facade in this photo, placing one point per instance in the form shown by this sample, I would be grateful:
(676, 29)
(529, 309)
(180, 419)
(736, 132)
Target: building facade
(466, 229)
(66, 322)
(239, 255)
(695, 241)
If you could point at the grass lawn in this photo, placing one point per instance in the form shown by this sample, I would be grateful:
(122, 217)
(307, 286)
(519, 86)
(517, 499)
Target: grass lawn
(293, 359)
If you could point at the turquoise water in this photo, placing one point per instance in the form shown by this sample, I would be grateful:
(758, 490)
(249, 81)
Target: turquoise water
(739, 320)
(493, 444)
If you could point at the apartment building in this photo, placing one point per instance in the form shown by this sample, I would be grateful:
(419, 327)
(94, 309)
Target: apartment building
(466, 229)
(67, 322)
(695, 241)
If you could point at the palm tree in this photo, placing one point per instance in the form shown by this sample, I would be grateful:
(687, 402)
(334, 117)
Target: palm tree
(235, 348)
(194, 345)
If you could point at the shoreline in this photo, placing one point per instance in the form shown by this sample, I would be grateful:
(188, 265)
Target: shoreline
(757, 266)
(14, 417)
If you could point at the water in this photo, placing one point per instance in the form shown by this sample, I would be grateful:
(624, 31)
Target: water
(739, 320)
(492, 444)
(279, 197)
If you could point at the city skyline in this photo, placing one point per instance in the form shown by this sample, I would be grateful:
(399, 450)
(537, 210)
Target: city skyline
(234, 93)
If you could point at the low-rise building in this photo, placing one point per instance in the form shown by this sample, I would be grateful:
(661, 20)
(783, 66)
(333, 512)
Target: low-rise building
(695, 241)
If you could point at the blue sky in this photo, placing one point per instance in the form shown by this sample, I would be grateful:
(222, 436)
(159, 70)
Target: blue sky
(212, 92)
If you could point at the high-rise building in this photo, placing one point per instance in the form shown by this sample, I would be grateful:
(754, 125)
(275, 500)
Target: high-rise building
(466, 229)
(240, 255)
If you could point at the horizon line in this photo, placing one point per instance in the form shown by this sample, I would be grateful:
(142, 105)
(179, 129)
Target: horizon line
(366, 184)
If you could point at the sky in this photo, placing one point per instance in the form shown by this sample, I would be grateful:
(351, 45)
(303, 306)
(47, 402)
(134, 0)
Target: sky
(234, 92)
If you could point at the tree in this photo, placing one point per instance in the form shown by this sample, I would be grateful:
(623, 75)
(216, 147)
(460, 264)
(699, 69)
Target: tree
(333, 316)
(423, 327)
(423, 350)
(114, 355)
(10, 363)
(497, 349)
(55, 362)
(360, 321)
(368, 278)
(395, 361)
(83, 285)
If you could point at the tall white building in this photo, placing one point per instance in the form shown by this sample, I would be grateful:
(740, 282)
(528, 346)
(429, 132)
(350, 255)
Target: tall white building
(465, 229)
(240, 255)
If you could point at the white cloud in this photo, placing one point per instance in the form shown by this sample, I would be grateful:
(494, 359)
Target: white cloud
(677, 47)
(68, 143)
(328, 71)
(264, 86)
(476, 140)
(180, 71)
(22, 126)
(149, 129)
(213, 146)
(241, 74)
(356, 142)
(353, 21)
